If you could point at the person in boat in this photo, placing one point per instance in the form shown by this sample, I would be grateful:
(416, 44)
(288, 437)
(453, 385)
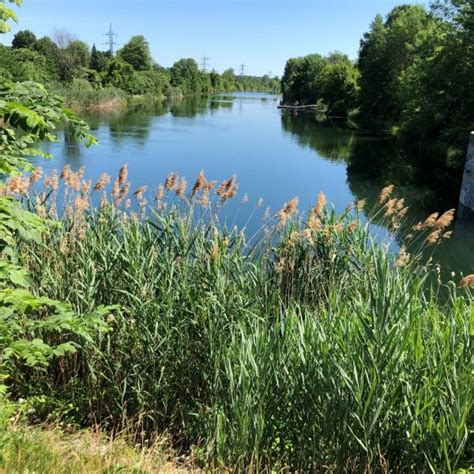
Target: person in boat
(297, 103)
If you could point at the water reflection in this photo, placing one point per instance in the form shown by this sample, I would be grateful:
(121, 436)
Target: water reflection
(373, 162)
(275, 155)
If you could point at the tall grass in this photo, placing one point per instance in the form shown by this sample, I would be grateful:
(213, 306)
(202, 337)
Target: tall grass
(81, 95)
(306, 347)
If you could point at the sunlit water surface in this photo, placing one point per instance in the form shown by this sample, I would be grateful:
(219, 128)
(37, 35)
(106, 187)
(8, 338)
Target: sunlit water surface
(276, 155)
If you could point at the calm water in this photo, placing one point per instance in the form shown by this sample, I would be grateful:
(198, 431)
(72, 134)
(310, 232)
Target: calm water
(276, 155)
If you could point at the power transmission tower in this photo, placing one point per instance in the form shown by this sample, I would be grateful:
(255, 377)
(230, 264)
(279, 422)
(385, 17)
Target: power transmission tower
(242, 69)
(269, 73)
(204, 61)
(111, 42)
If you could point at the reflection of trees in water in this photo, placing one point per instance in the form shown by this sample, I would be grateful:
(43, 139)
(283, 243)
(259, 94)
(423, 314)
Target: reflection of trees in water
(373, 163)
(188, 106)
(197, 105)
(332, 143)
(72, 148)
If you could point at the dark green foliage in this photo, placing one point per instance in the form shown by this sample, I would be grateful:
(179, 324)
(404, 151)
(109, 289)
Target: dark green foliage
(99, 59)
(413, 79)
(185, 75)
(24, 65)
(386, 51)
(331, 82)
(24, 39)
(137, 53)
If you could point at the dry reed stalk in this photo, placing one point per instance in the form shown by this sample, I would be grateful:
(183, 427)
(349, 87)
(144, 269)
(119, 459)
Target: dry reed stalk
(403, 257)
(444, 220)
(36, 175)
(160, 193)
(103, 200)
(360, 205)
(181, 187)
(199, 184)
(467, 281)
(123, 175)
(314, 223)
(430, 220)
(116, 188)
(320, 204)
(86, 188)
(308, 235)
(385, 193)
(170, 181)
(123, 193)
(52, 181)
(65, 172)
(433, 237)
(227, 189)
(204, 201)
(448, 235)
(353, 225)
(288, 210)
(18, 185)
(390, 207)
(140, 192)
(102, 182)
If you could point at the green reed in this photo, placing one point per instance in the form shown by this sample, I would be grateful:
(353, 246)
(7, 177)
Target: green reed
(307, 347)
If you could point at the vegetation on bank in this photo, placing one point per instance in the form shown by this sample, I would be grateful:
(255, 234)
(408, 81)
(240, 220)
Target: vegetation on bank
(304, 346)
(413, 78)
(87, 77)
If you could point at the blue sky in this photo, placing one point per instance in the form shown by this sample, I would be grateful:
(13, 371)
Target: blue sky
(262, 34)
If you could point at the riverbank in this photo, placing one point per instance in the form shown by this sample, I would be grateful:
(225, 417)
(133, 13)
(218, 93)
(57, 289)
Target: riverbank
(307, 345)
(80, 96)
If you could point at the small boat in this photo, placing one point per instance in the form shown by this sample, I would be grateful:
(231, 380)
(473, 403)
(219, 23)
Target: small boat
(299, 107)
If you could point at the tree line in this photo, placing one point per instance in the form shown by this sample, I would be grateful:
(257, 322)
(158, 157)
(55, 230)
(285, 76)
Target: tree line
(413, 78)
(65, 60)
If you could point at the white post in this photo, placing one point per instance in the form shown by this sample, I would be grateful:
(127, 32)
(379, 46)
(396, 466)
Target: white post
(466, 198)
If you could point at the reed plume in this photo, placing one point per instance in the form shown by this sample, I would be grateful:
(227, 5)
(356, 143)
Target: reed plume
(102, 182)
(403, 257)
(320, 204)
(288, 210)
(52, 181)
(385, 193)
(181, 187)
(36, 175)
(467, 281)
(170, 181)
(123, 175)
(444, 220)
(199, 184)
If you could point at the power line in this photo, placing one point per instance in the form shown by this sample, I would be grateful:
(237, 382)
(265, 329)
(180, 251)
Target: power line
(204, 61)
(111, 42)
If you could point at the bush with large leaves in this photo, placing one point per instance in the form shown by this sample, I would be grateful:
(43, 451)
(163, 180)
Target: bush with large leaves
(28, 114)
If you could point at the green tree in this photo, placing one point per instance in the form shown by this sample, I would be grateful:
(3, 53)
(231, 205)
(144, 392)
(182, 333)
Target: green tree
(137, 53)
(24, 39)
(339, 85)
(99, 59)
(386, 51)
(185, 74)
(438, 88)
(79, 53)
